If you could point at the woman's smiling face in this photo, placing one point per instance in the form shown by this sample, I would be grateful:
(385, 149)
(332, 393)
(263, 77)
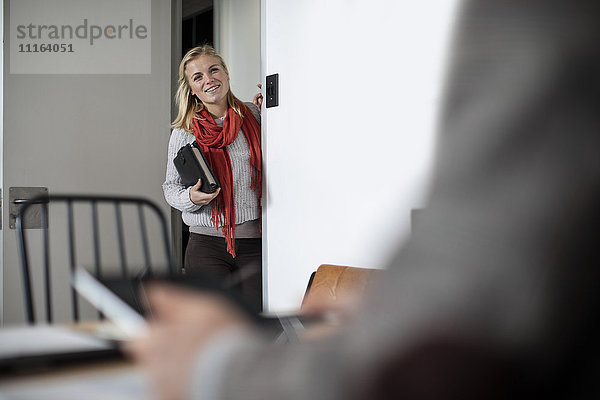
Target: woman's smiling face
(208, 80)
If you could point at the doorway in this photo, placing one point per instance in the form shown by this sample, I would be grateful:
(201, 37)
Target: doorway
(232, 27)
(197, 24)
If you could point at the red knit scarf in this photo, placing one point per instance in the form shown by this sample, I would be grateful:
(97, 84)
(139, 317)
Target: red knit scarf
(213, 141)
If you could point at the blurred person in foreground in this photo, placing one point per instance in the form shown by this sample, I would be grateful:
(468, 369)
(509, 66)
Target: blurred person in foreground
(496, 296)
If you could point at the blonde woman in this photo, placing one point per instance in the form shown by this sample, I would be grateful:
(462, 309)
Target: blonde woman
(225, 240)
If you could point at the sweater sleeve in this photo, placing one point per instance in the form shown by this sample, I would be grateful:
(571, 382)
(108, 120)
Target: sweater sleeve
(255, 111)
(177, 195)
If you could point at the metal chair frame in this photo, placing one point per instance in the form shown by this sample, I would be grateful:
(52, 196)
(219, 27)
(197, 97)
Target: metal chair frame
(93, 201)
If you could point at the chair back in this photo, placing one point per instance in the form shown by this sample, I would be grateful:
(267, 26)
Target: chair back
(107, 235)
(333, 283)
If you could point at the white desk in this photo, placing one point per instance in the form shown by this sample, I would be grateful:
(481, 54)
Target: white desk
(114, 380)
(93, 379)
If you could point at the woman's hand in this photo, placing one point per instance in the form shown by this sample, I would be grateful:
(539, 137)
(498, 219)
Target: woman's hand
(200, 198)
(182, 323)
(258, 98)
(330, 314)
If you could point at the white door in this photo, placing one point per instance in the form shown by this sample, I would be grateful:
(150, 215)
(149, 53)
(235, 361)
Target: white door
(347, 151)
(91, 132)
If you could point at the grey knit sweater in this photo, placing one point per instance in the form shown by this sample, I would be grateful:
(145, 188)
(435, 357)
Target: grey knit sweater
(198, 218)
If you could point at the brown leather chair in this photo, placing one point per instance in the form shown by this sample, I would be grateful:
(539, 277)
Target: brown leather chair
(331, 283)
(327, 285)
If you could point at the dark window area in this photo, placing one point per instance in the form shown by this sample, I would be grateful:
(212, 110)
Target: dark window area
(197, 30)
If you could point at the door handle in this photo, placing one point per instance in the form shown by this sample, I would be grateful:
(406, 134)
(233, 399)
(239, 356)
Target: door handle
(17, 196)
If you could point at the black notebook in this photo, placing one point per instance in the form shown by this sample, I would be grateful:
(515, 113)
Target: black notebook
(192, 165)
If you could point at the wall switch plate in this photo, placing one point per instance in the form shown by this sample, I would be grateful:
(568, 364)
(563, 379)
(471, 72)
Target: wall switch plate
(272, 90)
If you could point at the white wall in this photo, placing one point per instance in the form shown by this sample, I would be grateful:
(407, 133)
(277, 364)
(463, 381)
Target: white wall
(1, 154)
(86, 133)
(347, 152)
(237, 39)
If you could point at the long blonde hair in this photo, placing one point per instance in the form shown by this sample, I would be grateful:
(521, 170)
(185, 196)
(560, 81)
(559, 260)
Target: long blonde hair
(189, 105)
